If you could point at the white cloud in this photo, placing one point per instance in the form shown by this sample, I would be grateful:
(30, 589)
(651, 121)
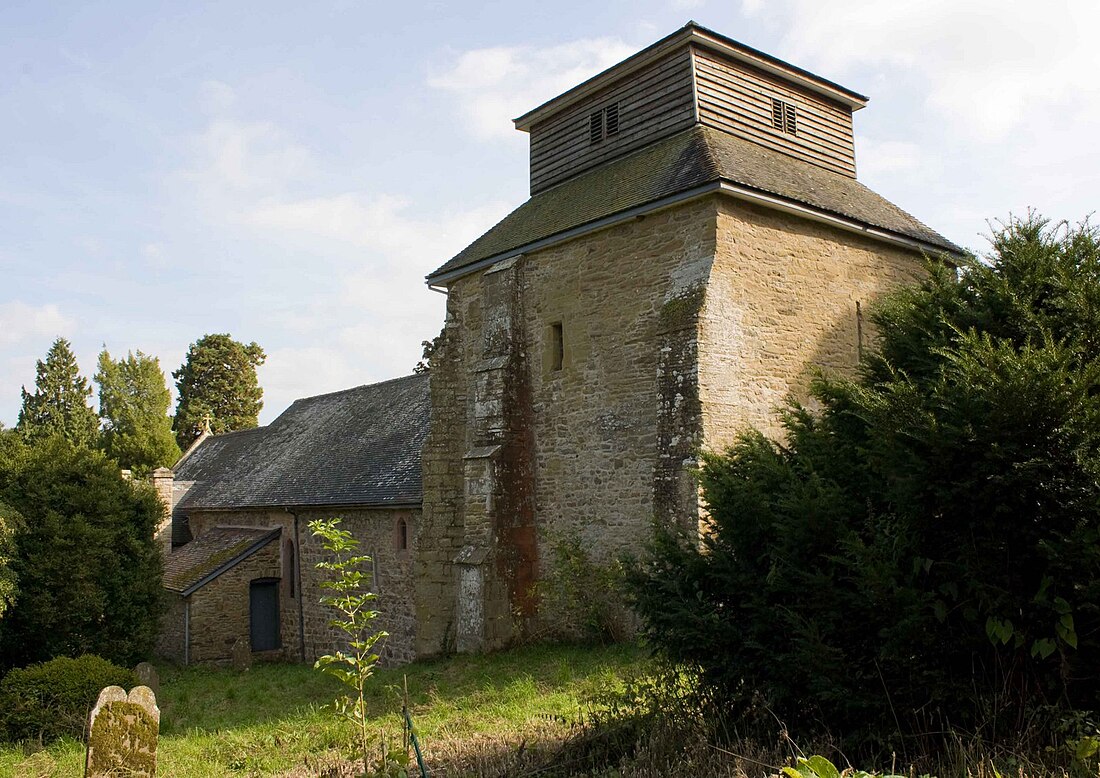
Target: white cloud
(494, 85)
(20, 321)
(687, 5)
(988, 65)
(233, 156)
(291, 373)
(216, 97)
(387, 223)
(362, 308)
(879, 158)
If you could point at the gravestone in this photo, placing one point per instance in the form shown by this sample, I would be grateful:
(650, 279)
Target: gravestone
(242, 655)
(147, 676)
(122, 733)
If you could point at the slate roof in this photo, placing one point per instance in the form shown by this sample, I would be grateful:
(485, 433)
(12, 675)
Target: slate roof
(359, 446)
(689, 159)
(219, 548)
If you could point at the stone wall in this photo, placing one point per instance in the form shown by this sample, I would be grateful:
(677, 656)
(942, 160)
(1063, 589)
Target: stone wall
(616, 424)
(170, 641)
(220, 610)
(378, 532)
(781, 302)
(599, 441)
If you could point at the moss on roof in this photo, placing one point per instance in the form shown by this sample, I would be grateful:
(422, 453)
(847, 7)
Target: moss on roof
(187, 568)
(701, 155)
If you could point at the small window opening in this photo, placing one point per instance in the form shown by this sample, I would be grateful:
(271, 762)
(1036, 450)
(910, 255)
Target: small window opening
(402, 535)
(784, 117)
(557, 346)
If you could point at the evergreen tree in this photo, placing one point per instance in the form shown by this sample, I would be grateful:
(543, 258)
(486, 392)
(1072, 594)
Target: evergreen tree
(217, 383)
(922, 551)
(133, 403)
(59, 405)
(87, 566)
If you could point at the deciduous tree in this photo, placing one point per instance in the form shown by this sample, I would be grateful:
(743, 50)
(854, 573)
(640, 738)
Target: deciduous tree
(218, 385)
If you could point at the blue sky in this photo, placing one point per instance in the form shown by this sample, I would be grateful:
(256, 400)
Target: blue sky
(289, 172)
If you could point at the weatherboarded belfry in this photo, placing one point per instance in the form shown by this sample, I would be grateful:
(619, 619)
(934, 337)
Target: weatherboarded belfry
(695, 246)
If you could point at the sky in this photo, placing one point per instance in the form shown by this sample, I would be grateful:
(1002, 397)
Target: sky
(289, 172)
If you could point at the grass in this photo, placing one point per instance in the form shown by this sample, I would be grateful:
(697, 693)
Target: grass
(271, 720)
(506, 714)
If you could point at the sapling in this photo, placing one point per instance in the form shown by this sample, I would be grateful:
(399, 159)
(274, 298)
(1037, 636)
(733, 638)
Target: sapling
(348, 587)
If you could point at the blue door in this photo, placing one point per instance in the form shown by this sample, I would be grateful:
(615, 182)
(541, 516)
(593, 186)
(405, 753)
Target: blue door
(263, 608)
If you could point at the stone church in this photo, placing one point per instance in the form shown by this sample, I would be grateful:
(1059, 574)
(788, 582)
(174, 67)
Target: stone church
(696, 245)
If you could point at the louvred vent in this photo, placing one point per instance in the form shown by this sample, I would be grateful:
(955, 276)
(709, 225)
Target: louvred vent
(595, 127)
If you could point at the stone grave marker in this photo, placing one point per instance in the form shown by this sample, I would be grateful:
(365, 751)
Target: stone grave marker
(147, 676)
(122, 733)
(242, 655)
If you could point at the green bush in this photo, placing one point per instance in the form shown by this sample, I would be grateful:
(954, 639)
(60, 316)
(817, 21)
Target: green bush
(580, 598)
(48, 700)
(87, 566)
(923, 552)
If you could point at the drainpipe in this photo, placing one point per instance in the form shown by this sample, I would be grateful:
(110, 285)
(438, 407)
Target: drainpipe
(187, 631)
(298, 588)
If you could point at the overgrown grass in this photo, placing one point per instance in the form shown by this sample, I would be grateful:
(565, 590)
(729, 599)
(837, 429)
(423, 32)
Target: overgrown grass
(270, 720)
(514, 713)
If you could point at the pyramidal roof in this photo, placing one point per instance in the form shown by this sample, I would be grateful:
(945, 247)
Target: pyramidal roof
(691, 163)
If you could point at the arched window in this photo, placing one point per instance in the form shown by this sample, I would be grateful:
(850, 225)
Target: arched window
(402, 535)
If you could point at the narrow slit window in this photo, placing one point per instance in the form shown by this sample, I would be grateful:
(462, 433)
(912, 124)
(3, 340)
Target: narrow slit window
(557, 346)
(402, 535)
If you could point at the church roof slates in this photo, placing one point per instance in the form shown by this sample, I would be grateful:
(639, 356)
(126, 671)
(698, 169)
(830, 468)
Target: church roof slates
(678, 164)
(359, 446)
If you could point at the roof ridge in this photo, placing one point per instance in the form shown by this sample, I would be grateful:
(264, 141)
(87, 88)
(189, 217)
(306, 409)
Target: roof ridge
(712, 134)
(229, 433)
(355, 389)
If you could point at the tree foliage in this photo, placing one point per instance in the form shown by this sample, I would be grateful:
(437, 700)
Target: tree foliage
(59, 403)
(217, 383)
(133, 403)
(88, 570)
(10, 524)
(924, 550)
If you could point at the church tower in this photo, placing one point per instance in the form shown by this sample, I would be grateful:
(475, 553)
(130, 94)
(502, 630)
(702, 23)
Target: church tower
(695, 246)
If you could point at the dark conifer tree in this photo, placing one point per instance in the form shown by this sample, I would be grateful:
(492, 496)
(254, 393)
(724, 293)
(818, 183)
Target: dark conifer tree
(59, 404)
